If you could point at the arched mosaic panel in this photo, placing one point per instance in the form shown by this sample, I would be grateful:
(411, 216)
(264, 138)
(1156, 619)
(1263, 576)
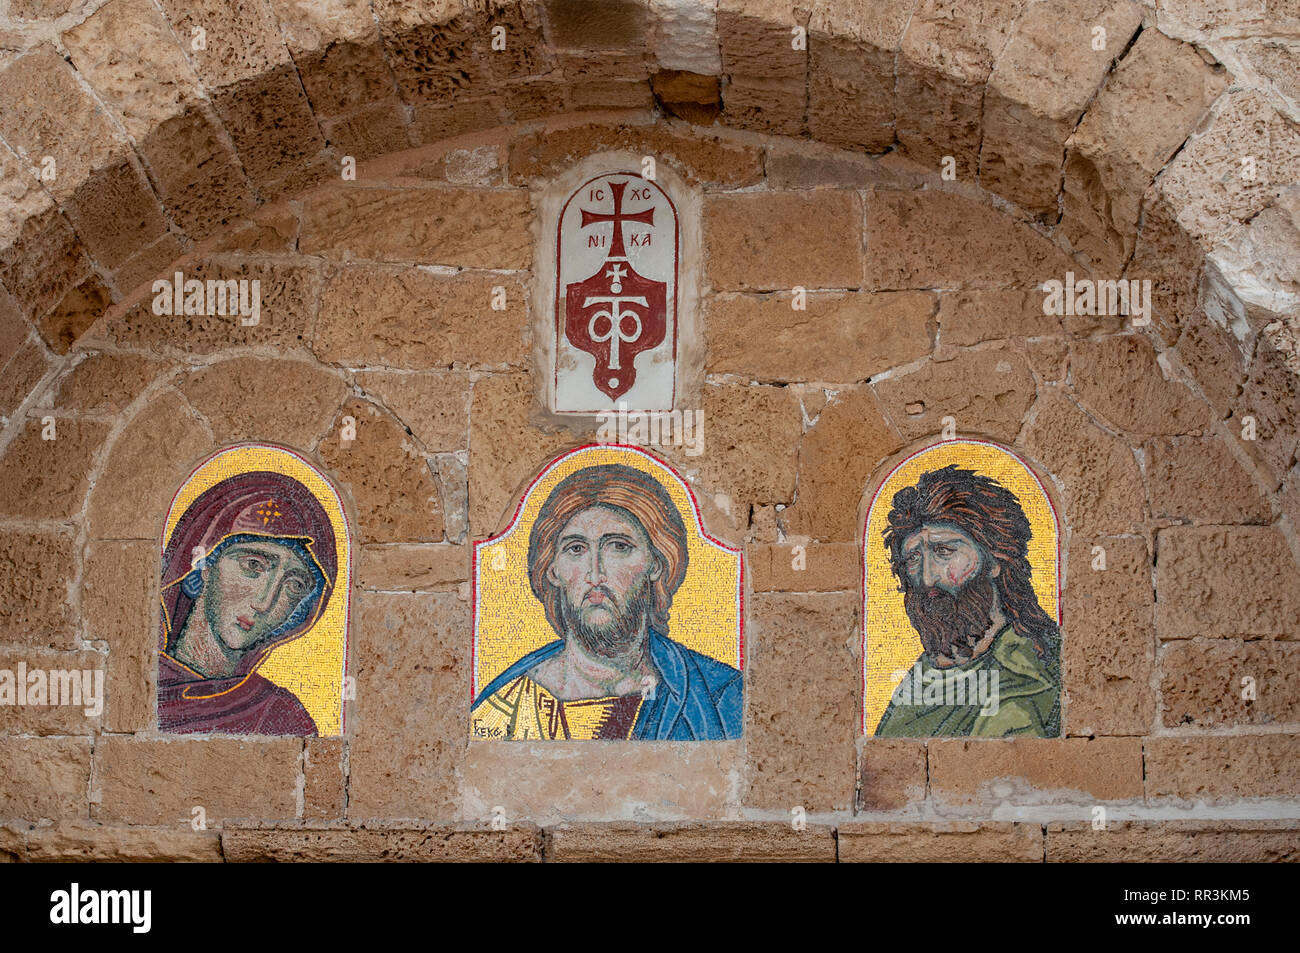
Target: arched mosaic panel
(255, 588)
(606, 611)
(961, 598)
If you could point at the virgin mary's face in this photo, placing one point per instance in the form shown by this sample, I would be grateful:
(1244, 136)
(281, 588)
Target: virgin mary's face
(251, 589)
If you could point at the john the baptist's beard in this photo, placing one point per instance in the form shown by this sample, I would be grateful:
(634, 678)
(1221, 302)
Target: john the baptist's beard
(951, 623)
(614, 637)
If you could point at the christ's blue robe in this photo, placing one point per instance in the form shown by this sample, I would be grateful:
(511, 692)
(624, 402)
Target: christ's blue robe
(697, 698)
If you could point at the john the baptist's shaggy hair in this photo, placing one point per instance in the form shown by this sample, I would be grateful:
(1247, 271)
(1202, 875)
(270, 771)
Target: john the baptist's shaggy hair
(989, 514)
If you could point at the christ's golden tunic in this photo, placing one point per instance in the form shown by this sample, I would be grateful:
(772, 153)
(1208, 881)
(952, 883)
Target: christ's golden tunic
(522, 710)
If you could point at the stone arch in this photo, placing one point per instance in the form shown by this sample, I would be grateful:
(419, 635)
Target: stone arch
(1116, 170)
(146, 169)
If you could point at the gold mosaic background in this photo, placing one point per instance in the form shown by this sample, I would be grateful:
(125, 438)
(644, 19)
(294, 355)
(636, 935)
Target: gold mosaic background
(889, 643)
(312, 667)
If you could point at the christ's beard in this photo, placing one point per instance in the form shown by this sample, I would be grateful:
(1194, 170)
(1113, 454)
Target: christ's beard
(613, 638)
(950, 624)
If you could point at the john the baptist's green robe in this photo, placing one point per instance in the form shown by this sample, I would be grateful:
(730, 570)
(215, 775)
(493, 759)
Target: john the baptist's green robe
(1025, 696)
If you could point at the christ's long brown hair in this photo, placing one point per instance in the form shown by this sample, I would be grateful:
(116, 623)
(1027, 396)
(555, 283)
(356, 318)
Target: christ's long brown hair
(990, 514)
(639, 497)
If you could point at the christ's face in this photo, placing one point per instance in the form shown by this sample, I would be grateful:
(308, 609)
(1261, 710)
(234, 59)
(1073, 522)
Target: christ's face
(251, 589)
(603, 566)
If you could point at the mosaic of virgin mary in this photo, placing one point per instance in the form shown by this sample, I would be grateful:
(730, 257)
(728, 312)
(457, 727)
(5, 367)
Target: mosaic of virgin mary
(249, 567)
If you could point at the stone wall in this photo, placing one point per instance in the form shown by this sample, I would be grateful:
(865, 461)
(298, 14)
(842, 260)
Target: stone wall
(923, 302)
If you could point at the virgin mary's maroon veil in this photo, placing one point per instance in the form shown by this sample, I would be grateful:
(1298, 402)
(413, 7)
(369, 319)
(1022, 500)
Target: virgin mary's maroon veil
(258, 503)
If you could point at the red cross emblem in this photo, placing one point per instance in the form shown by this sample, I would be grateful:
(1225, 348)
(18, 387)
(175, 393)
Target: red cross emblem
(615, 314)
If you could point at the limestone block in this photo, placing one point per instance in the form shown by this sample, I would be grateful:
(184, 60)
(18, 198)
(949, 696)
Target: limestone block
(1108, 637)
(1147, 108)
(803, 684)
(841, 336)
(155, 781)
(1080, 769)
(774, 241)
(397, 497)
(1103, 488)
(839, 452)
(470, 228)
(414, 319)
(1202, 683)
(1219, 581)
(412, 657)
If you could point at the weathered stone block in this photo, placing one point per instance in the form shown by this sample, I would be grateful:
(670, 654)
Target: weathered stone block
(1203, 683)
(105, 383)
(470, 228)
(462, 842)
(1222, 767)
(44, 777)
(199, 177)
(949, 842)
(1108, 637)
(324, 790)
(411, 714)
(892, 774)
(1087, 769)
(700, 160)
(850, 438)
(935, 239)
(412, 319)
(45, 112)
(119, 600)
(47, 479)
(397, 497)
(805, 567)
(36, 572)
(1120, 378)
(290, 402)
(80, 308)
(149, 460)
(1103, 488)
(435, 405)
(1045, 76)
(1225, 581)
(803, 683)
(774, 241)
(551, 782)
(746, 842)
(1144, 112)
(986, 392)
(289, 293)
(840, 337)
(147, 781)
(1197, 479)
(413, 567)
(1073, 842)
(89, 842)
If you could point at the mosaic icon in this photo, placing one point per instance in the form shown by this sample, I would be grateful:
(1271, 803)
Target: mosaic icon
(255, 588)
(961, 634)
(605, 611)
